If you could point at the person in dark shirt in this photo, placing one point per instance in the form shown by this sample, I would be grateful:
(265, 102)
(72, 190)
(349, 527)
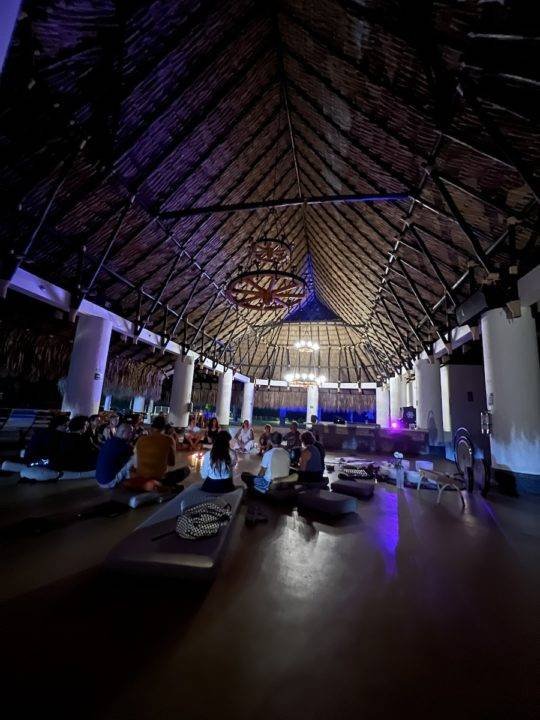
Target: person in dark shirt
(43, 441)
(115, 458)
(74, 451)
(212, 430)
(294, 444)
(311, 465)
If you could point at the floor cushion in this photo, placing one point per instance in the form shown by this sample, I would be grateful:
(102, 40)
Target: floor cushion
(136, 499)
(354, 488)
(155, 549)
(324, 501)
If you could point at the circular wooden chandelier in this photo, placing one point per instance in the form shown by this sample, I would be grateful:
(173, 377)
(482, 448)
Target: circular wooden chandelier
(304, 379)
(271, 251)
(266, 289)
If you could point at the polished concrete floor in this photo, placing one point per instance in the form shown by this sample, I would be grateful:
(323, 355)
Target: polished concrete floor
(405, 608)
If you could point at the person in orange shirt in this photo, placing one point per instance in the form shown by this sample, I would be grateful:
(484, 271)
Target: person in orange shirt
(154, 454)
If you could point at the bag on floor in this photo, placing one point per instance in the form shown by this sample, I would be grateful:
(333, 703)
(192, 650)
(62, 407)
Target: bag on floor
(202, 521)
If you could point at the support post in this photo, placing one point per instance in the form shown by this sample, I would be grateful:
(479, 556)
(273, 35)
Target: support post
(248, 399)
(87, 365)
(223, 403)
(312, 407)
(512, 375)
(382, 405)
(138, 404)
(428, 400)
(181, 391)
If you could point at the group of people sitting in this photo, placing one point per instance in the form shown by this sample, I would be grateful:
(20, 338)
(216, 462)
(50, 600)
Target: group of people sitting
(123, 452)
(73, 445)
(300, 461)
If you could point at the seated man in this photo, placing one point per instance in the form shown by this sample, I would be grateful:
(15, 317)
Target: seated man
(74, 450)
(115, 458)
(155, 452)
(294, 444)
(274, 466)
(264, 439)
(311, 467)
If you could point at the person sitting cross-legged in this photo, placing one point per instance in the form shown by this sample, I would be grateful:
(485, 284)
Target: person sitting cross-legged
(274, 467)
(115, 458)
(154, 453)
(244, 440)
(311, 466)
(264, 439)
(217, 465)
(294, 443)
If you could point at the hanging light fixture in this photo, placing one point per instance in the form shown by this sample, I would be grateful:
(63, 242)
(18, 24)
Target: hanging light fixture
(306, 346)
(304, 379)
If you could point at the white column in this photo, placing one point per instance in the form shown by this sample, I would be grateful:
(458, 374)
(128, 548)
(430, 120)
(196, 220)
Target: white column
(138, 404)
(248, 399)
(223, 402)
(312, 402)
(150, 407)
(428, 400)
(87, 365)
(408, 385)
(382, 406)
(107, 402)
(396, 397)
(512, 375)
(181, 391)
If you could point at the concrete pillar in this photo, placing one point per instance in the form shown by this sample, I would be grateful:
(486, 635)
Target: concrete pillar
(248, 399)
(312, 405)
(408, 384)
(138, 404)
(512, 375)
(463, 398)
(150, 407)
(382, 406)
(107, 402)
(181, 391)
(87, 366)
(223, 403)
(397, 397)
(428, 400)
(9, 10)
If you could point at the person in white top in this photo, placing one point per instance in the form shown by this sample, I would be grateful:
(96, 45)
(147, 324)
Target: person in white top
(244, 440)
(274, 466)
(192, 435)
(218, 464)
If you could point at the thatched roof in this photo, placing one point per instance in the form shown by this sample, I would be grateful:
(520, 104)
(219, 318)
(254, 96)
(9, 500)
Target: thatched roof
(116, 112)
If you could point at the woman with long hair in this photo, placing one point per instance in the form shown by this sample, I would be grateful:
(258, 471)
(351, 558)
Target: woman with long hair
(217, 465)
(213, 429)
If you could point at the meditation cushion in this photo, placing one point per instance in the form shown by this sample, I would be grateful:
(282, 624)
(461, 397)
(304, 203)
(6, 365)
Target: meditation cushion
(354, 488)
(154, 548)
(135, 499)
(324, 501)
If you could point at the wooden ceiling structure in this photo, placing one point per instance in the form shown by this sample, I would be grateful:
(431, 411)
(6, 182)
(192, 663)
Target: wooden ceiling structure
(146, 144)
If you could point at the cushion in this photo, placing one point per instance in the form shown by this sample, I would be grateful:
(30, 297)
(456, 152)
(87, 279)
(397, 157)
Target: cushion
(324, 501)
(136, 499)
(354, 488)
(39, 474)
(155, 549)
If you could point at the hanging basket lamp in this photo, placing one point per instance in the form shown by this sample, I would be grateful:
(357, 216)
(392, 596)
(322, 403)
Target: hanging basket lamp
(266, 289)
(306, 346)
(271, 251)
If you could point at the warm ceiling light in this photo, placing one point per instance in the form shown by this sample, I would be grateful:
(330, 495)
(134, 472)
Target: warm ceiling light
(304, 379)
(306, 346)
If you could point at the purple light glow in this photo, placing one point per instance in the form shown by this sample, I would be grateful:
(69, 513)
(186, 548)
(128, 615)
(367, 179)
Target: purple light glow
(394, 424)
